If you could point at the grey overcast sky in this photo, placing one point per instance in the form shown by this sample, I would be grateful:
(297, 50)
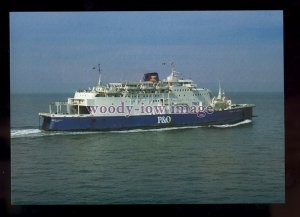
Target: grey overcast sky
(55, 52)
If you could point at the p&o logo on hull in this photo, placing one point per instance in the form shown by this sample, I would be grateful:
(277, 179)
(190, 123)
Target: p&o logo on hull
(164, 119)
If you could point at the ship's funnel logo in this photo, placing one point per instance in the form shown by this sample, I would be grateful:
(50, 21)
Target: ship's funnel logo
(153, 76)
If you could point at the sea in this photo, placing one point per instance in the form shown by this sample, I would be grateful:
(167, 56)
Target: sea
(220, 164)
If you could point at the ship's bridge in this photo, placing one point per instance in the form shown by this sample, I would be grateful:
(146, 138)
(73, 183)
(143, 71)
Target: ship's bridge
(84, 94)
(187, 83)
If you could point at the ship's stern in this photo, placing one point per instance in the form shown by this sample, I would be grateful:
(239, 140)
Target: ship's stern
(248, 111)
(46, 120)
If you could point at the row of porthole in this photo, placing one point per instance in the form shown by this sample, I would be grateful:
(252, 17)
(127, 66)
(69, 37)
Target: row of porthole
(195, 94)
(179, 90)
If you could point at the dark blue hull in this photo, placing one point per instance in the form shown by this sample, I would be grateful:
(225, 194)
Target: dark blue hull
(93, 123)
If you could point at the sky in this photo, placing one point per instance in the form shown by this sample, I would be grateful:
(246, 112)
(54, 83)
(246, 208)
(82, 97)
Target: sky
(55, 52)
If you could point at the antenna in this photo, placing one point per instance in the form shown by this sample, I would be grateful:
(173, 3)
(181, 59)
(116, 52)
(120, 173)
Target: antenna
(99, 69)
(220, 93)
(172, 66)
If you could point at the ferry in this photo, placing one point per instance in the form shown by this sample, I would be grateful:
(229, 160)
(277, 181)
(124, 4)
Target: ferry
(148, 103)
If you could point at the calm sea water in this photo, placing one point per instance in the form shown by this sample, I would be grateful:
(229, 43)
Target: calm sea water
(241, 163)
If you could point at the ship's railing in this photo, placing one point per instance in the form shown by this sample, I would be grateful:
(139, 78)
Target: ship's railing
(58, 108)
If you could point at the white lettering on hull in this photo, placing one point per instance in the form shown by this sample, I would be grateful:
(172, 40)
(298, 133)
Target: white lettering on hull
(164, 119)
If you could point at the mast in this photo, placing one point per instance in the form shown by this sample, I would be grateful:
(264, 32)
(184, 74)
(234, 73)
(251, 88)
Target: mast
(173, 76)
(172, 66)
(220, 91)
(99, 69)
(173, 69)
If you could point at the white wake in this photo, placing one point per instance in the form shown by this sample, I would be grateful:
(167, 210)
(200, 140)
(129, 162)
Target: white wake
(14, 133)
(247, 121)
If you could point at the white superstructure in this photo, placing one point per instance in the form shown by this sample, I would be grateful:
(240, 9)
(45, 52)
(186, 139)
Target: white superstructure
(148, 97)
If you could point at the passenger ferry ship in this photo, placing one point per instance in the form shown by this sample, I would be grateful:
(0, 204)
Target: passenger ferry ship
(149, 103)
